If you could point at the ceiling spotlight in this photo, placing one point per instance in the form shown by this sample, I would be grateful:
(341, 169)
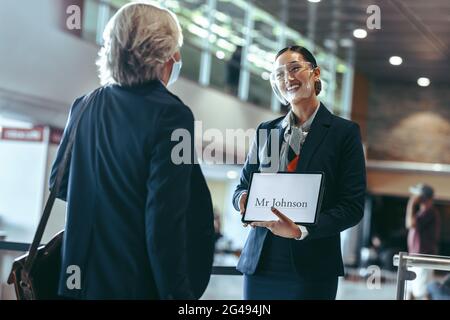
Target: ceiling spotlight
(395, 60)
(220, 55)
(360, 33)
(423, 82)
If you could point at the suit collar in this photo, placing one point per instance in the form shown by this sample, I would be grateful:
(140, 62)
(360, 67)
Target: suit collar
(289, 119)
(323, 117)
(143, 88)
(318, 131)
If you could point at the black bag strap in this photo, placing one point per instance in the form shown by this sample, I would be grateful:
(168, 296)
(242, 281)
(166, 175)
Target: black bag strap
(32, 252)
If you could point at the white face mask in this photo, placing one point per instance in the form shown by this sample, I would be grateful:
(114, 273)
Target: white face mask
(176, 68)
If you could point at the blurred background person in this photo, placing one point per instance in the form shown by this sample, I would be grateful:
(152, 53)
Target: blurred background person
(138, 225)
(439, 290)
(422, 221)
(217, 226)
(381, 252)
(234, 71)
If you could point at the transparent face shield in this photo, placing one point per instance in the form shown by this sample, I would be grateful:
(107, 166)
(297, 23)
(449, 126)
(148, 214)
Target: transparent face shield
(288, 82)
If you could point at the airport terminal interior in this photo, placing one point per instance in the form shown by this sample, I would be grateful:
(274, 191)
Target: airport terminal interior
(384, 65)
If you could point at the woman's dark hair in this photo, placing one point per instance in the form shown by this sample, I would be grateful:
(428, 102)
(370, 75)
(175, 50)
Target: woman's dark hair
(308, 56)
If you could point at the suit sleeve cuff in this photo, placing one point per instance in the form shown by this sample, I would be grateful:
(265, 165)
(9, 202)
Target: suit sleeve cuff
(304, 233)
(239, 198)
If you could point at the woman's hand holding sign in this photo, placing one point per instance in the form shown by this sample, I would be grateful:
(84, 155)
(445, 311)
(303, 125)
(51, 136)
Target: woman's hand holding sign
(284, 227)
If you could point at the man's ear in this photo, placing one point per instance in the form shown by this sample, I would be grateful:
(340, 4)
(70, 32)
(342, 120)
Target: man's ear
(166, 70)
(177, 55)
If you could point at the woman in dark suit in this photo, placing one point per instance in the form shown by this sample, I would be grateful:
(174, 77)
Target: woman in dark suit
(139, 223)
(280, 259)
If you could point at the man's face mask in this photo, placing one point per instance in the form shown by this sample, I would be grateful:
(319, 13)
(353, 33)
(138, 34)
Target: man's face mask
(176, 68)
(292, 81)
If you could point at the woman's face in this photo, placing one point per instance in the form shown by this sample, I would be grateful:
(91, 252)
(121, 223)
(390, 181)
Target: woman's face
(295, 76)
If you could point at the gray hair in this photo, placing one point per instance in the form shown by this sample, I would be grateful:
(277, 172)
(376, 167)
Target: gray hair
(138, 40)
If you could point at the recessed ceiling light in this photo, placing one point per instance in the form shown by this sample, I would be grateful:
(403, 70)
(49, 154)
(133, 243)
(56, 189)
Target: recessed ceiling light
(220, 55)
(360, 33)
(314, 1)
(395, 60)
(423, 82)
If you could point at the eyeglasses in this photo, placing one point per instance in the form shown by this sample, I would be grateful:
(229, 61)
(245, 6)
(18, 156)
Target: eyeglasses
(292, 69)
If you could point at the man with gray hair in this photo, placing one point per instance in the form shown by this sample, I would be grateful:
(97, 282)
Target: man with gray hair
(138, 225)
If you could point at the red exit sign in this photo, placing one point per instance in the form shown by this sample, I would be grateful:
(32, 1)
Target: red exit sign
(16, 134)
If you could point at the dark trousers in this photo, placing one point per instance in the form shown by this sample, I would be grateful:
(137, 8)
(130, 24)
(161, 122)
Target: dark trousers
(276, 278)
(261, 287)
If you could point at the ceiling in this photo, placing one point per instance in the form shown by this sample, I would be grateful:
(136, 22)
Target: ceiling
(416, 30)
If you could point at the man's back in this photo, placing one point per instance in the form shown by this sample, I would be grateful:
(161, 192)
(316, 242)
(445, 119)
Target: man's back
(127, 201)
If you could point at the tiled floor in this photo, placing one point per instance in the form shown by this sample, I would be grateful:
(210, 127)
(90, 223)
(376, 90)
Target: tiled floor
(230, 288)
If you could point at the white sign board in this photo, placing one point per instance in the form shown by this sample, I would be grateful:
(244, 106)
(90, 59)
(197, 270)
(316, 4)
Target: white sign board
(296, 195)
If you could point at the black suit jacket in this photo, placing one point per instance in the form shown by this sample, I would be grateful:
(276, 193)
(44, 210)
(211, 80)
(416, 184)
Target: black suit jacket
(334, 147)
(138, 226)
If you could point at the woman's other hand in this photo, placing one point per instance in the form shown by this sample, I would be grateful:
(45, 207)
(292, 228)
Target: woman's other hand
(242, 202)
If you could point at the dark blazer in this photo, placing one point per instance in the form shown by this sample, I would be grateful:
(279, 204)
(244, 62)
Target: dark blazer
(334, 147)
(138, 225)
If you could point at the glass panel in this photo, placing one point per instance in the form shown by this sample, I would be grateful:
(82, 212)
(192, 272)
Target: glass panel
(219, 79)
(95, 16)
(338, 94)
(117, 3)
(90, 16)
(226, 40)
(231, 13)
(260, 91)
(261, 56)
(225, 35)
(191, 61)
(192, 15)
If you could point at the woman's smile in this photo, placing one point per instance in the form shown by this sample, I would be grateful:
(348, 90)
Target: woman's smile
(293, 88)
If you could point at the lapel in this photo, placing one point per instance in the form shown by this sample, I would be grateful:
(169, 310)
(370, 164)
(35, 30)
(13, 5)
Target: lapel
(318, 131)
(281, 130)
(278, 126)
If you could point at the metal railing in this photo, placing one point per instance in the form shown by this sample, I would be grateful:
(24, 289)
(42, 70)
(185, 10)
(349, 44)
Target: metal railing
(403, 260)
(13, 246)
